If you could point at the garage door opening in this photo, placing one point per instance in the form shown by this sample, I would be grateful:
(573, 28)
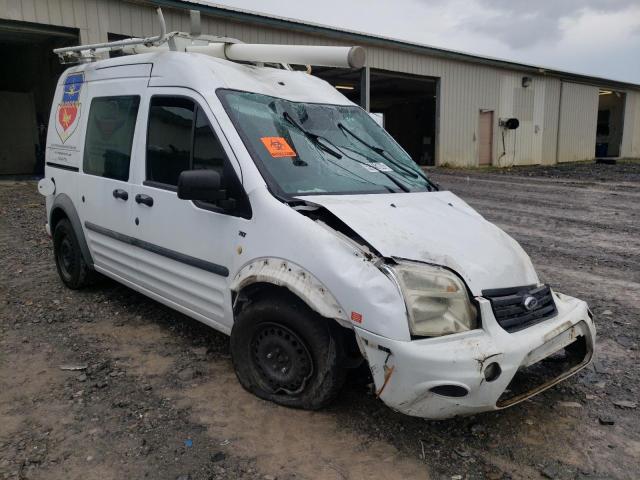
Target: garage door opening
(28, 83)
(405, 105)
(610, 123)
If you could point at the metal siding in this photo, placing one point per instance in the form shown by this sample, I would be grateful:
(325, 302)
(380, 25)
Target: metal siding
(28, 10)
(42, 12)
(80, 14)
(11, 9)
(550, 122)
(465, 88)
(631, 133)
(578, 119)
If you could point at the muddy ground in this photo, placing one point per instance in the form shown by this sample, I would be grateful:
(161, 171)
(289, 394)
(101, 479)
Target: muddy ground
(158, 398)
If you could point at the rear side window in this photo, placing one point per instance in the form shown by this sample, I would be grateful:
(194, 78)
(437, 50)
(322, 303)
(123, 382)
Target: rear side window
(110, 128)
(169, 138)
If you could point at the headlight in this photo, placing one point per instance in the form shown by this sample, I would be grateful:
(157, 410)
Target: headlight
(436, 299)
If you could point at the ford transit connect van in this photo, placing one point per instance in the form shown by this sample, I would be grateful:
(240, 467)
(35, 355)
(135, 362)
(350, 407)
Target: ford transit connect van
(263, 203)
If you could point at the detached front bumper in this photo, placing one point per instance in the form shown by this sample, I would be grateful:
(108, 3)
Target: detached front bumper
(456, 366)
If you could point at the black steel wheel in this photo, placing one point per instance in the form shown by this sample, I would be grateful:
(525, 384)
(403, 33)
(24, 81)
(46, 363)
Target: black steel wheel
(72, 269)
(282, 360)
(284, 352)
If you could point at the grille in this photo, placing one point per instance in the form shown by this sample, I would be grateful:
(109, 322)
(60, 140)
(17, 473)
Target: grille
(509, 306)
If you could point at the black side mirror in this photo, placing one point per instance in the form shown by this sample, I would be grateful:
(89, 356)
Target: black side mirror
(203, 185)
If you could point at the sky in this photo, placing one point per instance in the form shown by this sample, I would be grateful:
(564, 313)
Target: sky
(595, 37)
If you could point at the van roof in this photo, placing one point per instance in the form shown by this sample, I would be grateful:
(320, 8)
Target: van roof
(205, 74)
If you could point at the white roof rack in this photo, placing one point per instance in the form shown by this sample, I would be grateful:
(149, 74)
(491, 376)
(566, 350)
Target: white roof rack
(220, 47)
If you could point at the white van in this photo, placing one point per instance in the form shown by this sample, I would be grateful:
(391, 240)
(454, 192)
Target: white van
(263, 203)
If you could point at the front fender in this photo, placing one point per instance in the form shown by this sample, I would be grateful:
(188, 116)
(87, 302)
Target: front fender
(299, 281)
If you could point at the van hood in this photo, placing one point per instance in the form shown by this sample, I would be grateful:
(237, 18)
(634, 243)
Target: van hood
(437, 228)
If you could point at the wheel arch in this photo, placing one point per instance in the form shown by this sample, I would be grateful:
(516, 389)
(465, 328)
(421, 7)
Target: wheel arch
(63, 208)
(268, 272)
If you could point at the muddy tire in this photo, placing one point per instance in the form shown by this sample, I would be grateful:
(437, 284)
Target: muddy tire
(284, 352)
(72, 269)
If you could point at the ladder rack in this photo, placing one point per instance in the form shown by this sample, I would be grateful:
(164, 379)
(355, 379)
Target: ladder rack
(219, 47)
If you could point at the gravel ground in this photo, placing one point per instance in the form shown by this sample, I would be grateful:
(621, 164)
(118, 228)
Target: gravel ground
(152, 393)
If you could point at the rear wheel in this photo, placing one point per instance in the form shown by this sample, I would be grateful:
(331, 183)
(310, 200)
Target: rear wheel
(72, 269)
(284, 352)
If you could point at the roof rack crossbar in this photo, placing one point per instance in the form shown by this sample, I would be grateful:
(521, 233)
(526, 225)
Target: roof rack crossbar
(106, 46)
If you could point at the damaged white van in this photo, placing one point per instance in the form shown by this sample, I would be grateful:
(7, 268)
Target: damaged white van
(213, 178)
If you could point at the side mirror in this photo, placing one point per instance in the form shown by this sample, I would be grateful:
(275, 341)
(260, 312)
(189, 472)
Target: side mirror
(203, 185)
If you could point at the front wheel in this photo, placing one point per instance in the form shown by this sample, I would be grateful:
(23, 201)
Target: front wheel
(284, 352)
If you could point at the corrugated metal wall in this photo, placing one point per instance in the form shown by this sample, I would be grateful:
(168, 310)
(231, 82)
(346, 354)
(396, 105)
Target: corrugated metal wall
(465, 88)
(578, 120)
(631, 137)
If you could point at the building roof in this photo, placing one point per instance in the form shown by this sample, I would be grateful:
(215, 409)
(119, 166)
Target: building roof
(256, 18)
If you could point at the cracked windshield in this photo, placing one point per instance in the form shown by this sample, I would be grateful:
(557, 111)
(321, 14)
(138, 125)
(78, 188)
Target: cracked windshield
(308, 148)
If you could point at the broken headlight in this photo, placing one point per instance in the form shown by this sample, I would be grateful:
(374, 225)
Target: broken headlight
(436, 299)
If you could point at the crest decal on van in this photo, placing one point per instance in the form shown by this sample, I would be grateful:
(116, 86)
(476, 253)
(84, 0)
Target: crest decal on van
(68, 112)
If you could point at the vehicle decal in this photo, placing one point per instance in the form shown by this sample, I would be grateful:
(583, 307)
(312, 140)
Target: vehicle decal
(69, 108)
(376, 167)
(278, 147)
(356, 317)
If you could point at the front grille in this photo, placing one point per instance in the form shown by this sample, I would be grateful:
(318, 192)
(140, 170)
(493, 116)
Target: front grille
(509, 306)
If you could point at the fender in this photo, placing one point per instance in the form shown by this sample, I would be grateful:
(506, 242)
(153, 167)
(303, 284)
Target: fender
(299, 281)
(64, 203)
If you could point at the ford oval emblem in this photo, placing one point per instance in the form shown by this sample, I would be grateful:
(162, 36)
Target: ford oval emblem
(530, 303)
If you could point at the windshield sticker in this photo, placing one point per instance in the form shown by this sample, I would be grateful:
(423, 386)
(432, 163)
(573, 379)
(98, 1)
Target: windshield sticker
(376, 167)
(278, 147)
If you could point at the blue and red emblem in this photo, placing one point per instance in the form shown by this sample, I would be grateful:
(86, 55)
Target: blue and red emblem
(68, 114)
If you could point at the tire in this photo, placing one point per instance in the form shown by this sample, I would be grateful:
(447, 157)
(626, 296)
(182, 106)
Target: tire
(72, 269)
(281, 332)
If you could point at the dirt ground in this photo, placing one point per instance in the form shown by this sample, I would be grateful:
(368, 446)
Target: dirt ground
(158, 398)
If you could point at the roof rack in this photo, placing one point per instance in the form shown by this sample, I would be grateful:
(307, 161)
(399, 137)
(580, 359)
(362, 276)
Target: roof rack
(219, 47)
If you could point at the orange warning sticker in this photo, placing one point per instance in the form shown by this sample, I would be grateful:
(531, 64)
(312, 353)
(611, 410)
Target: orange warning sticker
(356, 317)
(278, 147)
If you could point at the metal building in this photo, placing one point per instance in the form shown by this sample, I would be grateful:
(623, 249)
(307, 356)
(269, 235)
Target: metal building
(443, 107)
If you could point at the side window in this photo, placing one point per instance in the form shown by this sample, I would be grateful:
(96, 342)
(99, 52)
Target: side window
(169, 138)
(180, 138)
(207, 151)
(110, 128)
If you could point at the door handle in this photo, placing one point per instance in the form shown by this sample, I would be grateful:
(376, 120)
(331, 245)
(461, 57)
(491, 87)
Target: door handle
(146, 199)
(121, 194)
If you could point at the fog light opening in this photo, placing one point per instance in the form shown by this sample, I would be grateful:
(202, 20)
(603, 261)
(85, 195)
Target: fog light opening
(492, 372)
(449, 390)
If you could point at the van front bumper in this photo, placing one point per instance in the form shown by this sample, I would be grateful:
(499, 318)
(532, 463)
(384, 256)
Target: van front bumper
(461, 368)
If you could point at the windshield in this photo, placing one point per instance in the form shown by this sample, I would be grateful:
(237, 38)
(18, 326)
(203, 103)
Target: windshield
(310, 148)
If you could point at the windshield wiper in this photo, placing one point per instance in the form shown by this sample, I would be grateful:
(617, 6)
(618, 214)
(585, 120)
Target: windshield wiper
(396, 182)
(315, 139)
(385, 155)
(321, 144)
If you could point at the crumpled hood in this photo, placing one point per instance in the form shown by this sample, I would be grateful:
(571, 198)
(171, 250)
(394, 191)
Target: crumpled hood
(437, 228)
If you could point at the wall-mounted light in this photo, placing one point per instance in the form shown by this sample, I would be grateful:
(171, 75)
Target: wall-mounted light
(345, 87)
(526, 81)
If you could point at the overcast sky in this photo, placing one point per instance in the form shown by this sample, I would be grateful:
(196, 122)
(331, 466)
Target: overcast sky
(597, 37)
